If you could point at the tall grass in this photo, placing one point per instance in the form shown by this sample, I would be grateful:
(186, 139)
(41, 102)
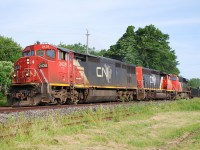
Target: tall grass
(43, 130)
(3, 101)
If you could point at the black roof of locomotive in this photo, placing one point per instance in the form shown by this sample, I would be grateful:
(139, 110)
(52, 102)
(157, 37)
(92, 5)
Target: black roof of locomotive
(117, 61)
(100, 57)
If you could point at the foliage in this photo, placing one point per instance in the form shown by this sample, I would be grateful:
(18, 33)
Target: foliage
(6, 71)
(9, 50)
(125, 48)
(3, 101)
(194, 83)
(147, 47)
(154, 50)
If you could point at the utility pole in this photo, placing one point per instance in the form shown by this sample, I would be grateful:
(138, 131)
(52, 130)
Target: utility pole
(87, 35)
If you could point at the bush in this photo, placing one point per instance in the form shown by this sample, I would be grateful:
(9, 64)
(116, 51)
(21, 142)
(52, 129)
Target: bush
(1, 95)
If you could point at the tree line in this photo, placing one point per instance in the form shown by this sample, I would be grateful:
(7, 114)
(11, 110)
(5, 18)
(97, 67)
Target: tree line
(148, 47)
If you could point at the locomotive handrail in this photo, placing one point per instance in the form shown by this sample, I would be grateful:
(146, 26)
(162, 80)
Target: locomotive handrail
(45, 80)
(44, 76)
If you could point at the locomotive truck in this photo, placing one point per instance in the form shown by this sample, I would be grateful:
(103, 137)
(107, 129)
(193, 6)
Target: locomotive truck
(47, 74)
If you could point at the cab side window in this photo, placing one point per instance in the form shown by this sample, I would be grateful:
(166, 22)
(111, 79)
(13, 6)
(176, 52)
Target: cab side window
(62, 55)
(51, 53)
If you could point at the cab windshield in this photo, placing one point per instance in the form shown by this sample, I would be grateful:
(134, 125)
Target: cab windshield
(40, 53)
(28, 53)
(173, 78)
(50, 53)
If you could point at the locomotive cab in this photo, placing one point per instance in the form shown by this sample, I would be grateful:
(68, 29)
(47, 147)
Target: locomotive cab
(31, 75)
(42, 74)
(171, 83)
(32, 66)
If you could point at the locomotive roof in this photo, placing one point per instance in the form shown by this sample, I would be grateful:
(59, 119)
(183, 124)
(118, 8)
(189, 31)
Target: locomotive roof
(117, 61)
(154, 71)
(101, 57)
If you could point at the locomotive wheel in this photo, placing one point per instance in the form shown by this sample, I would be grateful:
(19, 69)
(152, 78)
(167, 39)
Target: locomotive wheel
(13, 102)
(60, 102)
(74, 97)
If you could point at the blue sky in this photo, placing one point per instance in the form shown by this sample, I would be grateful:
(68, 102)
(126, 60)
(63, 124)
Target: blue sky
(55, 21)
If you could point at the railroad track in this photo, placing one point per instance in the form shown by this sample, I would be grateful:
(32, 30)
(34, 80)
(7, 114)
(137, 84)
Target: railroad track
(21, 109)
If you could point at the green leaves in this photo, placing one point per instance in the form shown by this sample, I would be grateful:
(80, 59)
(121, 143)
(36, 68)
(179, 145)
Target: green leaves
(147, 47)
(125, 48)
(194, 83)
(6, 72)
(9, 50)
(154, 50)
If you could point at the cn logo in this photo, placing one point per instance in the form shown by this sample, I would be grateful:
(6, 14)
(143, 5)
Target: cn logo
(153, 79)
(104, 71)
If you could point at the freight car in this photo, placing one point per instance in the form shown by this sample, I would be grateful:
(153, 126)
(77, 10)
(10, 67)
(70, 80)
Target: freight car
(195, 92)
(47, 74)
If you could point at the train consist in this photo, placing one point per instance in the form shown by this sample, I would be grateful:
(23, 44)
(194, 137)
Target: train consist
(195, 92)
(47, 74)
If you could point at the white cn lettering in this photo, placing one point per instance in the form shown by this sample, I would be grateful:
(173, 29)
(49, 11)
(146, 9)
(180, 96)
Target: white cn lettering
(99, 72)
(153, 79)
(104, 71)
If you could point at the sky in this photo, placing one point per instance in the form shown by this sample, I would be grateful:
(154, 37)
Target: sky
(55, 21)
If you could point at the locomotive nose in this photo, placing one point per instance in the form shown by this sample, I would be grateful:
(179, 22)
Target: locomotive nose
(23, 70)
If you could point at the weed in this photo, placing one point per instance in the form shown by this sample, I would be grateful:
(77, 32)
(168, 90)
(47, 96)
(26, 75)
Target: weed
(156, 125)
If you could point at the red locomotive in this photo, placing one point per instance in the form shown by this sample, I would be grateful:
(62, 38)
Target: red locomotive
(47, 74)
(153, 84)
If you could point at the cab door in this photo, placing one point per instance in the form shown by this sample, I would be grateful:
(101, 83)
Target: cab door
(63, 67)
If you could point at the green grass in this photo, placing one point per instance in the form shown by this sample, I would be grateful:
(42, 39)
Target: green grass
(3, 101)
(173, 125)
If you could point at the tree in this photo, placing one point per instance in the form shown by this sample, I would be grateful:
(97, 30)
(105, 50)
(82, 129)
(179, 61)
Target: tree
(147, 47)
(194, 83)
(9, 50)
(125, 48)
(154, 50)
(6, 71)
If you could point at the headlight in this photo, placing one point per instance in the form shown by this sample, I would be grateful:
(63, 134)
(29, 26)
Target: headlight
(27, 61)
(27, 74)
(16, 67)
(14, 75)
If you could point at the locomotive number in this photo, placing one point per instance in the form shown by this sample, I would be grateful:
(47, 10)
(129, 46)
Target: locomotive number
(45, 46)
(42, 65)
